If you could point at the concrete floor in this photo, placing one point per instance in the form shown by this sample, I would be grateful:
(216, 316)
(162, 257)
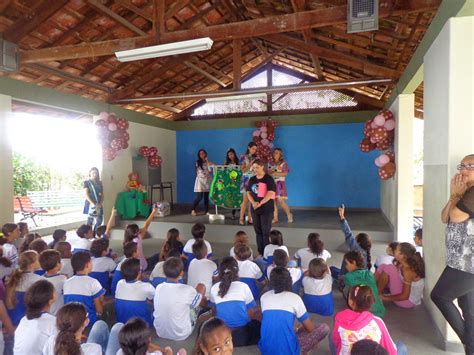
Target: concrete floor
(413, 327)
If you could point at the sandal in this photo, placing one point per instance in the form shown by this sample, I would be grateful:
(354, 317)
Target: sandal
(193, 213)
(290, 218)
(274, 221)
(242, 222)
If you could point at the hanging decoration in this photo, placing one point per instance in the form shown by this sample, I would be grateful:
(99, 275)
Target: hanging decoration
(264, 136)
(379, 133)
(150, 153)
(112, 134)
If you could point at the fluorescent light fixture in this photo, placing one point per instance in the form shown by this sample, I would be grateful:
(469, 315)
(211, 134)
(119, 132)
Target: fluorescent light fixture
(238, 97)
(163, 50)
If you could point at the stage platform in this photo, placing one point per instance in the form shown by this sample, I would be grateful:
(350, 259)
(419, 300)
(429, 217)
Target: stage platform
(325, 222)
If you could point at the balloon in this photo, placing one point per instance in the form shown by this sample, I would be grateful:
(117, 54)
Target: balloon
(387, 114)
(389, 125)
(112, 127)
(373, 140)
(373, 125)
(265, 142)
(152, 151)
(379, 120)
(263, 129)
(379, 134)
(144, 151)
(103, 116)
(368, 128)
(109, 153)
(263, 135)
(270, 145)
(377, 162)
(383, 145)
(112, 118)
(384, 159)
(366, 146)
(391, 155)
(122, 124)
(154, 161)
(387, 171)
(116, 144)
(100, 123)
(256, 133)
(124, 145)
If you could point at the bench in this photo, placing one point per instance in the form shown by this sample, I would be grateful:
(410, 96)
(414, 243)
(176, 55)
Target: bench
(57, 199)
(23, 205)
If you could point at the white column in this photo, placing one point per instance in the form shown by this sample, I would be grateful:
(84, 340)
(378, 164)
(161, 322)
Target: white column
(449, 136)
(6, 166)
(397, 194)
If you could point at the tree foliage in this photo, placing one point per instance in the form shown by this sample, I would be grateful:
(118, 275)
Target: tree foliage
(28, 175)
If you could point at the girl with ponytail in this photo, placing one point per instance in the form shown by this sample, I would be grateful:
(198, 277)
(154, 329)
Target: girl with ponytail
(357, 323)
(233, 302)
(37, 325)
(19, 281)
(71, 321)
(405, 278)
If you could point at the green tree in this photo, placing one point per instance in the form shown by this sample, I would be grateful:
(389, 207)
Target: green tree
(29, 175)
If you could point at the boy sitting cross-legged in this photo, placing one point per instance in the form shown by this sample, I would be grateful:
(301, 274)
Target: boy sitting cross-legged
(132, 294)
(83, 288)
(50, 261)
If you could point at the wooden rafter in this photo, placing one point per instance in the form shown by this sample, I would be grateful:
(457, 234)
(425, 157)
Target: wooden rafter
(116, 17)
(203, 72)
(237, 63)
(131, 7)
(33, 19)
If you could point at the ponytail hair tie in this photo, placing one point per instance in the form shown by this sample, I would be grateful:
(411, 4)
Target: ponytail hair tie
(356, 291)
(226, 271)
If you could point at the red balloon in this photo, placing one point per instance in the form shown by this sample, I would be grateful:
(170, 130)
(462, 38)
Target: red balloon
(391, 155)
(379, 134)
(144, 151)
(154, 161)
(383, 145)
(109, 153)
(122, 124)
(366, 145)
(152, 151)
(387, 171)
(112, 118)
(116, 143)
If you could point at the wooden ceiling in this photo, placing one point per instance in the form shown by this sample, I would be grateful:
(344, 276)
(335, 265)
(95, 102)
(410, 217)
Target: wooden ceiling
(69, 45)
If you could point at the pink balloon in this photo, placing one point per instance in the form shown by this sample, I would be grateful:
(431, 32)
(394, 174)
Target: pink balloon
(104, 116)
(373, 125)
(373, 140)
(256, 133)
(378, 162)
(265, 141)
(263, 135)
(383, 159)
(379, 120)
(112, 127)
(263, 129)
(389, 125)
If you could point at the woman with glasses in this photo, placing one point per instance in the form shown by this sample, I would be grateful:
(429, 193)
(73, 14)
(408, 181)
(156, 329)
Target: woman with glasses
(457, 279)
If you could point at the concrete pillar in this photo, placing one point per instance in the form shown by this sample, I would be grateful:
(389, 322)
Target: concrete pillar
(449, 135)
(397, 194)
(6, 166)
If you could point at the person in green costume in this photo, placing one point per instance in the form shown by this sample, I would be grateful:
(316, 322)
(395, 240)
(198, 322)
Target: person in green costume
(358, 275)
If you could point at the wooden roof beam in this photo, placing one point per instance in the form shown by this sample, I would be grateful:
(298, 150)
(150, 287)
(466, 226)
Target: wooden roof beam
(204, 73)
(140, 12)
(116, 17)
(36, 17)
(237, 63)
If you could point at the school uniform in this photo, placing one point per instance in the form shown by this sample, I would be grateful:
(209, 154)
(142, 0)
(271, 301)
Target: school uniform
(202, 271)
(173, 303)
(58, 281)
(232, 253)
(101, 269)
(32, 334)
(305, 255)
(233, 310)
(117, 276)
(11, 252)
(279, 312)
(80, 244)
(318, 296)
(19, 310)
(268, 252)
(188, 249)
(131, 300)
(86, 348)
(296, 274)
(83, 289)
(250, 273)
(66, 268)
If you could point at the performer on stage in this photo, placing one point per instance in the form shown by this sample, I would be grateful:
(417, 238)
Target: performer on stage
(231, 159)
(246, 162)
(203, 180)
(279, 170)
(94, 193)
(261, 190)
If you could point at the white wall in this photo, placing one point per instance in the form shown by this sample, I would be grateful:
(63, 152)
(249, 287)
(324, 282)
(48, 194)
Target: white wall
(396, 195)
(115, 173)
(6, 167)
(449, 136)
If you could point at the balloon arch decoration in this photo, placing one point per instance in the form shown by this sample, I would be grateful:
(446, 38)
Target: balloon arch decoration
(112, 133)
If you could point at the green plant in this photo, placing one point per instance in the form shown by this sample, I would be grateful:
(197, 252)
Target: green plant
(29, 175)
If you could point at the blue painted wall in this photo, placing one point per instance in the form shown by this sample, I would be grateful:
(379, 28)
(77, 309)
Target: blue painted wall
(326, 166)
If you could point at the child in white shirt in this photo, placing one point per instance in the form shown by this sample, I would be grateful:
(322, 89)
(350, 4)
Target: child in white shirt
(102, 265)
(276, 242)
(314, 250)
(249, 272)
(50, 261)
(387, 259)
(64, 249)
(280, 258)
(317, 285)
(201, 270)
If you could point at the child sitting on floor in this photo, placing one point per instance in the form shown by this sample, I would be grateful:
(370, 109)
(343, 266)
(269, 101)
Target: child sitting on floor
(201, 270)
(280, 308)
(241, 238)
(132, 294)
(405, 280)
(50, 261)
(102, 265)
(158, 276)
(173, 241)
(83, 241)
(357, 323)
(280, 259)
(358, 275)
(129, 251)
(38, 324)
(64, 249)
(314, 250)
(59, 235)
(249, 272)
(198, 231)
(20, 280)
(10, 233)
(173, 302)
(276, 242)
(83, 288)
(317, 285)
(388, 257)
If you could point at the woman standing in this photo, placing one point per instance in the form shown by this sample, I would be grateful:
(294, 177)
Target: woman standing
(94, 192)
(457, 279)
(246, 162)
(260, 192)
(203, 181)
(231, 159)
(279, 171)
